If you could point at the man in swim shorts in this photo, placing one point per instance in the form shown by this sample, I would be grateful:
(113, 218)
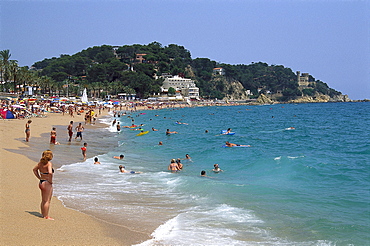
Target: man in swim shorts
(80, 128)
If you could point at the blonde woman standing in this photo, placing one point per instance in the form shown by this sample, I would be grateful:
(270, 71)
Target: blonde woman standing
(44, 172)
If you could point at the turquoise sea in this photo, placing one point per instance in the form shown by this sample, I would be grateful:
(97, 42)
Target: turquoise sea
(304, 186)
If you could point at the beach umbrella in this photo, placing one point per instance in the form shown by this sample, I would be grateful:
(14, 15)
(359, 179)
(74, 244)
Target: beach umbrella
(17, 106)
(6, 114)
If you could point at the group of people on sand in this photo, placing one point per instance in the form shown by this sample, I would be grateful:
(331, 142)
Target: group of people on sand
(44, 169)
(79, 129)
(53, 133)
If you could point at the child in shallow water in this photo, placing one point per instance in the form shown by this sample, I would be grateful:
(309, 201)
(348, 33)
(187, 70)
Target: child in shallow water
(83, 149)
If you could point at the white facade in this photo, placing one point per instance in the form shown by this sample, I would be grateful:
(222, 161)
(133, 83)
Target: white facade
(219, 71)
(186, 86)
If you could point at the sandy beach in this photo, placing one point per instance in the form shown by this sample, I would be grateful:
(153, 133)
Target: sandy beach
(21, 222)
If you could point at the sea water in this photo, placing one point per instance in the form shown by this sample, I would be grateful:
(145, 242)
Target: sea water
(304, 180)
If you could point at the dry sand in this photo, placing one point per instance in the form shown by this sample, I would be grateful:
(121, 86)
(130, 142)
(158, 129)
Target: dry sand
(20, 219)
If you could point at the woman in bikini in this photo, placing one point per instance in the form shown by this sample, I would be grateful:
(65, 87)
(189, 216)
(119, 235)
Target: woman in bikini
(173, 167)
(28, 130)
(44, 172)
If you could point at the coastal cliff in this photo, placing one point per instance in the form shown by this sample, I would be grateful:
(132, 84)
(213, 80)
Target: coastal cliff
(320, 98)
(235, 91)
(232, 89)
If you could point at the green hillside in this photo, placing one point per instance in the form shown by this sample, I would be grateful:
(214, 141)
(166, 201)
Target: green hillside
(136, 69)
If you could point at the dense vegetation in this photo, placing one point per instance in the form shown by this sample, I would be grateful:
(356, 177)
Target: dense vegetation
(110, 70)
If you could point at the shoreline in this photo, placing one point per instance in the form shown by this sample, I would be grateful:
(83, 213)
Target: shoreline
(21, 196)
(21, 222)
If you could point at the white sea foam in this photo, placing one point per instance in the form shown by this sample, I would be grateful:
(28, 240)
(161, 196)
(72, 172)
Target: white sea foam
(296, 157)
(223, 225)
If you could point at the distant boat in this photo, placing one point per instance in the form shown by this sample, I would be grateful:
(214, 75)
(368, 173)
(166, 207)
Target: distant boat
(84, 97)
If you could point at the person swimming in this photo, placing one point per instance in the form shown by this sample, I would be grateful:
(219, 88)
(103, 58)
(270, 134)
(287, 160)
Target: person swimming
(216, 168)
(178, 161)
(119, 157)
(168, 132)
(122, 170)
(228, 144)
(96, 160)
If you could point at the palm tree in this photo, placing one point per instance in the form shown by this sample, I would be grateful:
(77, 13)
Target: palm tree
(24, 77)
(13, 73)
(4, 57)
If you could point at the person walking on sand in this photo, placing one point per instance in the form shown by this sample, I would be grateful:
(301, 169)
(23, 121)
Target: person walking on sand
(70, 131)
(28, 130)
(53, 136)
(84, 148)
(80, 128)
(44, 172)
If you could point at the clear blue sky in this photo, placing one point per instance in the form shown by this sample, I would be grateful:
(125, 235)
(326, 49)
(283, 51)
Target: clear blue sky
(330, 39)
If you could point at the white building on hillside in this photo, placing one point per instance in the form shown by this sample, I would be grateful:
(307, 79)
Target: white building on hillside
(219, 71)
(186, 87)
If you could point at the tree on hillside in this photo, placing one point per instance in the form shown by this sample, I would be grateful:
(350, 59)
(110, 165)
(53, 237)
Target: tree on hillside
(203, 68)
(5, 57)
(171, 91)
(117, 69)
